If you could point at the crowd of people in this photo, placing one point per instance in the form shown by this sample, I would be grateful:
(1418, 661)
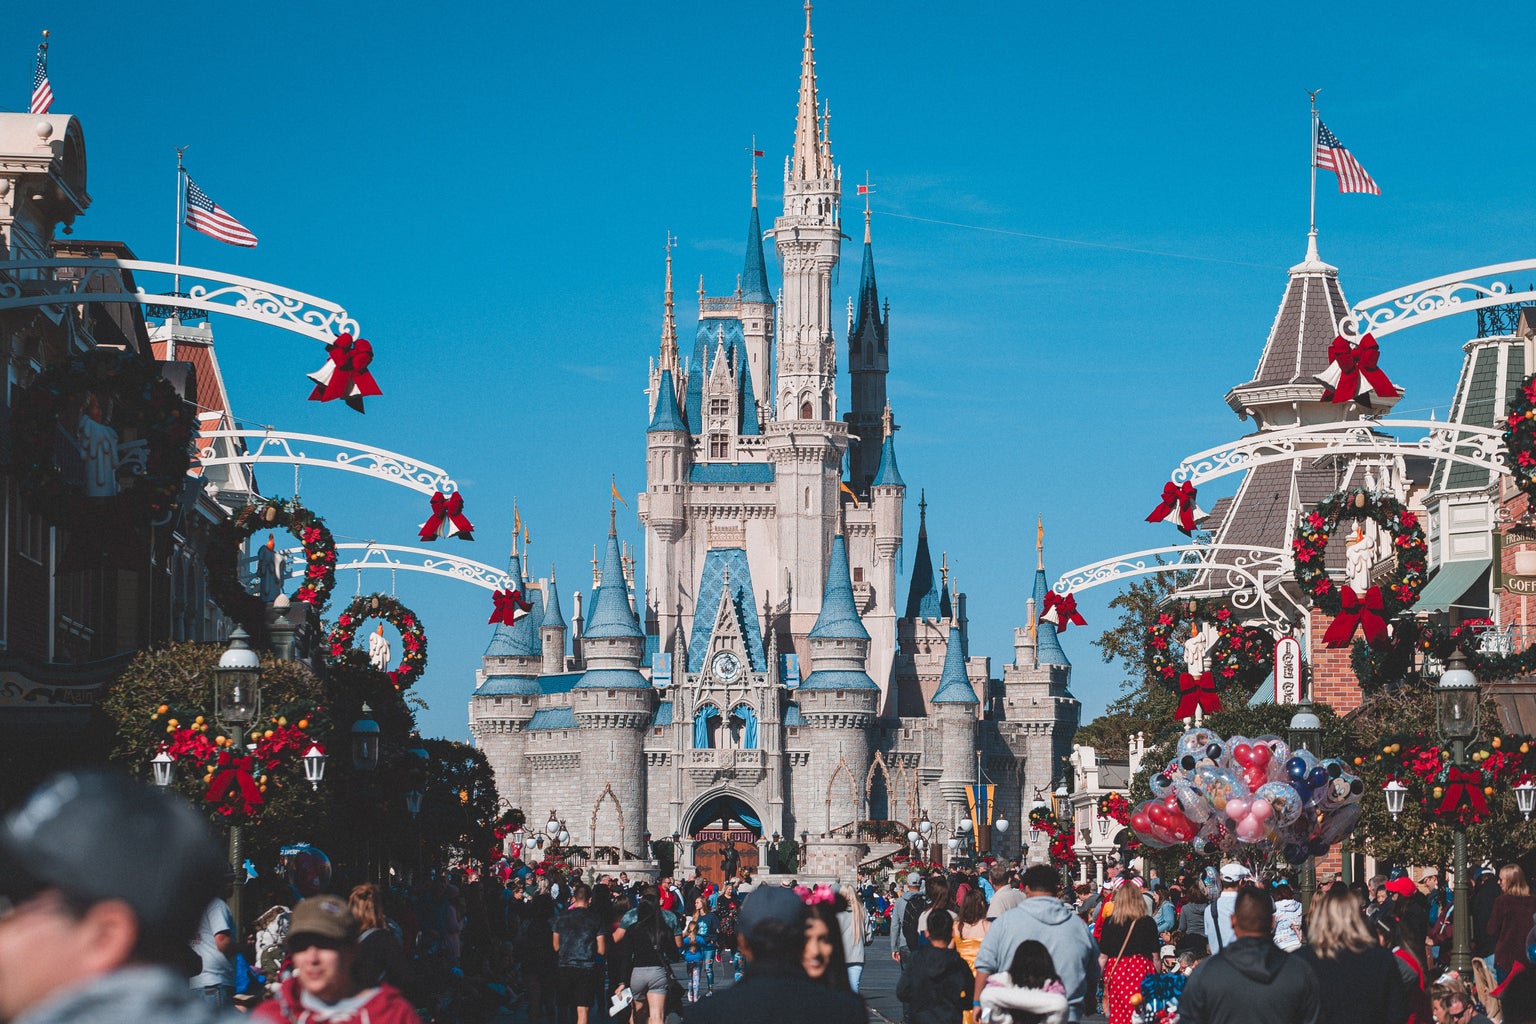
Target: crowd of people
(144, 935)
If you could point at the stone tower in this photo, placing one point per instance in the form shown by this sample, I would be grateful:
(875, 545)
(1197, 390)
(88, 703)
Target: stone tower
(612, 705)
(956, 707)
(552, 630)
(838, 701)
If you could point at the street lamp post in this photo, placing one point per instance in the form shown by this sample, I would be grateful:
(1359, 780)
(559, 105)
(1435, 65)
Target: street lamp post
(1456, 714)
(236, 703)
(1306, 734)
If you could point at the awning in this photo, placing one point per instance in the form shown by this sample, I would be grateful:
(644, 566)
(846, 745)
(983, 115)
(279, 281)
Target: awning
(1451, 584)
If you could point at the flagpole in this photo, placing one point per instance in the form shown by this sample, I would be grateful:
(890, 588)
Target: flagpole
(181, 195)
(1312, 150)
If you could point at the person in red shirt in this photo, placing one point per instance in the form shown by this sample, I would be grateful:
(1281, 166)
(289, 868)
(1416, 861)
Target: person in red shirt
(322, 943)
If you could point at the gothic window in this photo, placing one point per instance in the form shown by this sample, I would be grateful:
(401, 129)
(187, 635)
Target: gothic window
(858, 574)
(744, 728)
(719, 446)
(806, 411)
(706, 727)
(720, 407)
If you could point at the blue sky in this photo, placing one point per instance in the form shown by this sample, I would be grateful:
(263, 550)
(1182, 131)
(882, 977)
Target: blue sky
(488, 190)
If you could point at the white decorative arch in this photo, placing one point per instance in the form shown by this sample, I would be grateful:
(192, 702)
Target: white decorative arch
(1247, 572)
(401, 558)
(99, 280)
(1452, 442)
(284, 447)
(1461, 292)
(735, 793)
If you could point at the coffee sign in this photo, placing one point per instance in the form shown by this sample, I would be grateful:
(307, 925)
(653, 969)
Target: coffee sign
(1287, 670)
(1520, 585)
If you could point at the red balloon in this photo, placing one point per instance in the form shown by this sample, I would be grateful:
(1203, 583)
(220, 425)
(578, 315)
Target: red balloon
(1261, 755)
(1141, 823)
(1159, 814)
(1242, 754)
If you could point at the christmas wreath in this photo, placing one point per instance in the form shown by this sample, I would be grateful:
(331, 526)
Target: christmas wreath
(1456, 794)
(1243, 655)
(1520, 438)
(129, 402)
(236, 781)
(413, 659)
(228, 545)
(1116, 806)
(1369, 611)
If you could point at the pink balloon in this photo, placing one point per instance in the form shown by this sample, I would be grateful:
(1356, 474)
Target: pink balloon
(1237, 808)
(1261, 810)
(1250, 830)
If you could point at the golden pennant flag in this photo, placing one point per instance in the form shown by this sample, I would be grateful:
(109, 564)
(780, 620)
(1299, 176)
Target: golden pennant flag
(613, 483)
(517, 521)
(979, 799)
(842, 485)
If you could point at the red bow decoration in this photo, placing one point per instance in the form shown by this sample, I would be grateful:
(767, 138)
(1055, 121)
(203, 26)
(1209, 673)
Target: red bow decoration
(236, 772)
(345, 374)
(1463, 784)
(447, 518)
(1181, 497)
(1197, 693)
(510, 607)
(1060, 611)
(1348, 364)
(1363, 610)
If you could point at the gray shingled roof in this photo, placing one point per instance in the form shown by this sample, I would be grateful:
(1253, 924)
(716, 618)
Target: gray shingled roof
(1482, 399)
(1307, 323)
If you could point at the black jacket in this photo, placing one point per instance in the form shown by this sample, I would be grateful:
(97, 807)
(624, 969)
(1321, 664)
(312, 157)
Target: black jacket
(1251, 981)
(772, 994)
(1358, 988)
(936, 987)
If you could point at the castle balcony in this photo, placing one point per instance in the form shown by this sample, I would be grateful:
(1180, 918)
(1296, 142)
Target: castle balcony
(709, 766)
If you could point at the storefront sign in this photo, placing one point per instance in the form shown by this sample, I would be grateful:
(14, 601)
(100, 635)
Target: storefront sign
(1287, 670)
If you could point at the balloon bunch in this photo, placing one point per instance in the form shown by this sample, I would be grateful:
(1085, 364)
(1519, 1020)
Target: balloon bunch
(1248, 795)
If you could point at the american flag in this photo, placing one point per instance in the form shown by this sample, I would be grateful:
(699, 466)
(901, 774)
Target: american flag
(1332, 156)
(42, 92)
(207, 216)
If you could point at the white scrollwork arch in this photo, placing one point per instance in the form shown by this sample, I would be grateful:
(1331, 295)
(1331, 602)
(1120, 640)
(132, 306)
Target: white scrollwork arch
(251, 446)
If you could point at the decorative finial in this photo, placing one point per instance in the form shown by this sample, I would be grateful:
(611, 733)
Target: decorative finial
(866, 190)
(807, 19)
(887, 421)
(922, 506)
(944, 568)
(752, 149)
(1040, 542)
(551, 572)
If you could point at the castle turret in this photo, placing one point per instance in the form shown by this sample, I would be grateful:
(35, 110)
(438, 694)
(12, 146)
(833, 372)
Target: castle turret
(612, 705)
(757, 314)
(838, 699)
(956, 706)
(868, 364)
(552, 630)
(663, 507)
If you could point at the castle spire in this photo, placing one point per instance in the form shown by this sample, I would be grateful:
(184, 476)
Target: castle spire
(811, 161)
(669, 318)
(923, 594)
(754, 273)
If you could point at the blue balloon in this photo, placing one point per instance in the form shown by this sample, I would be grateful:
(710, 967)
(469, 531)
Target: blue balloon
(1317, 778)
(1296, 769)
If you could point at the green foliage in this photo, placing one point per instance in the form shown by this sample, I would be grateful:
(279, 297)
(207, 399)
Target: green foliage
(459, 807)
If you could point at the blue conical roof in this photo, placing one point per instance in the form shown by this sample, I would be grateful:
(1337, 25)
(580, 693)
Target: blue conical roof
(868, 314)
(667, 416)
(839, 618)
(553, 616)
(754, 274)
(611, 615)
(954, 685)
(888, 475)
(521, 639)
(946, 608)
(1047, 645)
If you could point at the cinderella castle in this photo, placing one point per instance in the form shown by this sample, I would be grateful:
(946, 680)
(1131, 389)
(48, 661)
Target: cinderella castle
(768, 679)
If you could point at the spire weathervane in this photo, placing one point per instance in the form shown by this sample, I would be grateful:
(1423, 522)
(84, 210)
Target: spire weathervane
(866, 190)
(1040, 543)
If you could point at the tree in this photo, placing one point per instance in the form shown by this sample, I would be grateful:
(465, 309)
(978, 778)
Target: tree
(1145, 704)
(459, 806)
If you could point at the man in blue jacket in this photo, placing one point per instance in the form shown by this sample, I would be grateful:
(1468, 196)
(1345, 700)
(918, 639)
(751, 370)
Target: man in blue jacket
(1044, 918)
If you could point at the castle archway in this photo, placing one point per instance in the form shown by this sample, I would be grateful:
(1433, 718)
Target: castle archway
(723, 828)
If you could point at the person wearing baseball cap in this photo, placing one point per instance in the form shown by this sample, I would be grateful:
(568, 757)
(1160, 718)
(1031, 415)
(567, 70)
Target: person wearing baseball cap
(1218, 916)
(322, 943)
(774, 987)
(102, 883)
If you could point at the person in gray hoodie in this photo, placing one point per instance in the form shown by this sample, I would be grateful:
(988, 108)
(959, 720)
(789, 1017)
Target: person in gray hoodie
(89, 933)
(1251, 981)
(1044, 918)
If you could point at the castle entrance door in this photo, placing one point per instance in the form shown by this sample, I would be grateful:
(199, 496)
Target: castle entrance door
(725, 833)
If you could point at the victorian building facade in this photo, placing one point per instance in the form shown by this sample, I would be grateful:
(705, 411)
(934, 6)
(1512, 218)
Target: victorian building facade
(767, 678)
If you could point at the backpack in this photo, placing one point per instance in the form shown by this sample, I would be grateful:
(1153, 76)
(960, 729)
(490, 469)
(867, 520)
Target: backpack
(725, 910)
(910, 933)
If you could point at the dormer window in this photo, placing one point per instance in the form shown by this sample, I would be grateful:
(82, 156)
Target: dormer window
(719, 446)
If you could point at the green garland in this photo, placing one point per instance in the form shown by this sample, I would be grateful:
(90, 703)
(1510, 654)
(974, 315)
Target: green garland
(228, 544)
(413, 658)
(145, 406)
(1242, 655)
(1520, 438)
(1315, 528)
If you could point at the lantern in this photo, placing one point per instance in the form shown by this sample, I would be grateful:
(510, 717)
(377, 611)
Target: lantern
(413, 801)
(237, 682)
(1457, 700)
(1525, 798)
(365, 742)
(1103, 820)
(1397, 794)
(164, 767)
(1063, 802)
(314, 766)
(553, 825)
(1001, 825)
